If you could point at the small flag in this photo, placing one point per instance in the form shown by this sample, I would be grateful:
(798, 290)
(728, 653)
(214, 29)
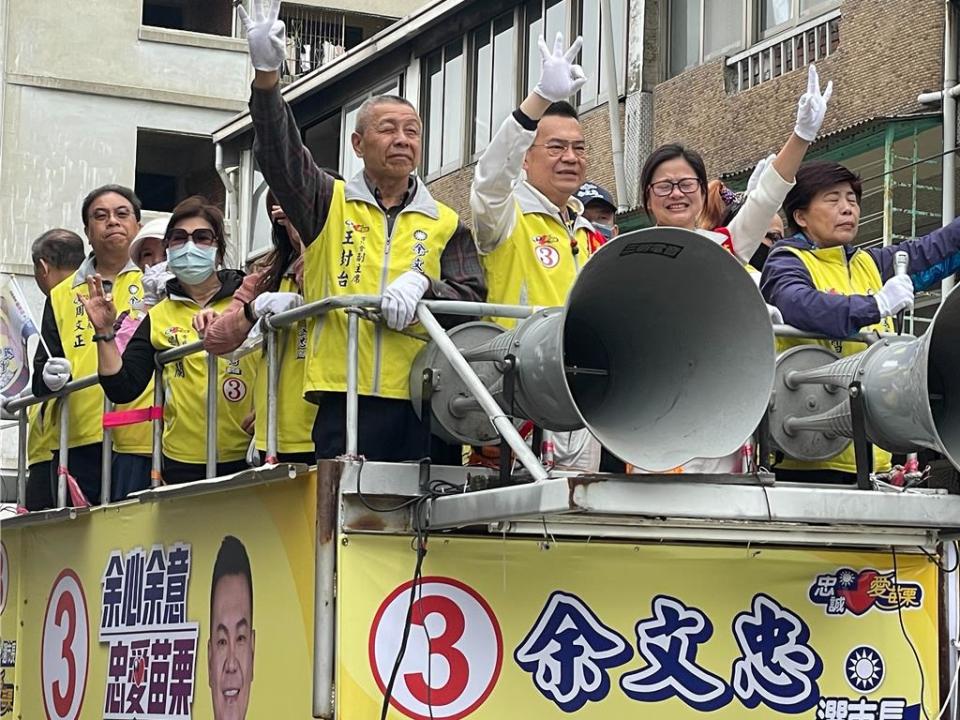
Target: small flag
(16, 326)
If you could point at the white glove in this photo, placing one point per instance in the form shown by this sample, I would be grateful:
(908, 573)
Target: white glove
(266, 35)
(776, 317)
(275, 302)
(757, 172)
(399, 303)
(812, 107)
(895, 295)
(559, 77)
(154, 283)
(56, 373)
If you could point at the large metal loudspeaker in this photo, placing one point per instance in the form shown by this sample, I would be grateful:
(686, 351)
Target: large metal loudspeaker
(910, 389)
(664, 351)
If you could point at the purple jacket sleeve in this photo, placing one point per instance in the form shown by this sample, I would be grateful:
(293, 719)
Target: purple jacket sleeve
(924, 252)
(787, 284)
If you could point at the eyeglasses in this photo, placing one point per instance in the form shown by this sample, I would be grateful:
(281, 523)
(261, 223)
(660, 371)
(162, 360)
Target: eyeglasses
(663, 188)
(774, 236)
(556, 148)
(200, 236)
(121, 213)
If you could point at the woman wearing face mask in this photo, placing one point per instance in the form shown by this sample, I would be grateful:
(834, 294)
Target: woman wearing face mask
(195, 247)
(275, 285)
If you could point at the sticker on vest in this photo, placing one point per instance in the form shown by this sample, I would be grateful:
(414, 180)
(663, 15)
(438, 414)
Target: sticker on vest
(546, 254)
(419, 250)
(175, 335)
(234, 389)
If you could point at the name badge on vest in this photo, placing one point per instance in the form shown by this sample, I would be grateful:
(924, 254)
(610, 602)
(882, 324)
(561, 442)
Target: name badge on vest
(545, 252)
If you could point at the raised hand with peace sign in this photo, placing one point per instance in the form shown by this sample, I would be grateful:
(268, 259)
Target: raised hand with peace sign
(812, 107)
(560, 77)
(266, 34)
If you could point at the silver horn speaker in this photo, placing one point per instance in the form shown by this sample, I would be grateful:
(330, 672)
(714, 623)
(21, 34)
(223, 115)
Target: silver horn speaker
(664, 351)
(910, 389)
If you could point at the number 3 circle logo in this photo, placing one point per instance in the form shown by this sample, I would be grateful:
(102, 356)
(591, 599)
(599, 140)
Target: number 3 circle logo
(547, 255)
(454, 651)
(66, 648)
(234, 389)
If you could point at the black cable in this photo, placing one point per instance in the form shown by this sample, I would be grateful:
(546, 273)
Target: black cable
(936, 561)
(911, 164)
(903, 629)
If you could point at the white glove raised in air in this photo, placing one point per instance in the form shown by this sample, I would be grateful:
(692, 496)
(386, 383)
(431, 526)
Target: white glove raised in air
(275, 302)
(399, 303)
(559, 76)
(56, 373)
(266, 34)
(895, 295)
(757, 172)
(812, 107)
(776, 317)
(154, 283)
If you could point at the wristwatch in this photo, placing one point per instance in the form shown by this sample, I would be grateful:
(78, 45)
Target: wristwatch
(106, 337)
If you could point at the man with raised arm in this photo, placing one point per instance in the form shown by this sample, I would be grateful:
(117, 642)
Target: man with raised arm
(379, 233)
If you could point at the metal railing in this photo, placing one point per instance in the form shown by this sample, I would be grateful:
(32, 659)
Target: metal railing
(787, 51)
(356, 307)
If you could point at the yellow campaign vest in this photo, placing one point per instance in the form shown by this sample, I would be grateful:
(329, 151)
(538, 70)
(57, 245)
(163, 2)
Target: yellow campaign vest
(535, 265)
(353, 255)
(295, 415)
(832, 272)
(42, 436)
(76, 336)
(185, 388)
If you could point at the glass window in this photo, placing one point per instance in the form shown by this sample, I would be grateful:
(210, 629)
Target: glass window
(493, 62)
(722, 27)
(547, 18)
(592, 56)
(684, 35)
(774, 13)
(350, 164)
(443, 98)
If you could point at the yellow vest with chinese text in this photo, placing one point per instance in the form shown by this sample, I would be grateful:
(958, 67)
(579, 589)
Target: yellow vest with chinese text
(76, 336)
(185, 387)
(42, 437)
(537, 263)
(295, 415)
(355, 255)
(832, 272)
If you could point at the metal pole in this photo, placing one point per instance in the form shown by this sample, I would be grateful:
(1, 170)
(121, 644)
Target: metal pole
(353, 399)
(613, 103)
(325, 567)
(64, 453)
(156, 477)
(106, 457)
(273, 372)
(212, 376)
(497, 416)
(22, 457)
(888, 186)
(949, 125)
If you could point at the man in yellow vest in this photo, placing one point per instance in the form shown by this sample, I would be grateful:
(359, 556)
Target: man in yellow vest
(823, 283)
(111, 218)
(530, 229)
(56, 255)
(379, 233)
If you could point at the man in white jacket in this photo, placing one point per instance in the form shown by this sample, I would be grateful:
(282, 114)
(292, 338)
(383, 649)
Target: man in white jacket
(529, 226)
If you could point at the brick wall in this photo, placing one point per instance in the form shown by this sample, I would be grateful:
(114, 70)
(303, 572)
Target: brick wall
(889, 53)
(454, 189)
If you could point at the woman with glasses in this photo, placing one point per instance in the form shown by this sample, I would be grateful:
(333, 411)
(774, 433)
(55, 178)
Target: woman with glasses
(195, 247)
(674, 180)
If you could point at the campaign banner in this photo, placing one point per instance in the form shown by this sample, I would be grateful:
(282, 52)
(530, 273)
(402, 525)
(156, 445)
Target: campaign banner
(191, 608)
(526, 628)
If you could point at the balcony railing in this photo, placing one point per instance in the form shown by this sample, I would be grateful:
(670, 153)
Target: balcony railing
(801, 45)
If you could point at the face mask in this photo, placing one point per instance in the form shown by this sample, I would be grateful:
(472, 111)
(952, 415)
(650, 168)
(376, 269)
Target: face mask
(605, 230)
(760, 256)
(191, 264)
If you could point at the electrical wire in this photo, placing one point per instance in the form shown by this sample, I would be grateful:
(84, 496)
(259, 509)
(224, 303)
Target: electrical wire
(936, 561)
(903, 629)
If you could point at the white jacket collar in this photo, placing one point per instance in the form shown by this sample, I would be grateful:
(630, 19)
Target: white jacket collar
(421, 201)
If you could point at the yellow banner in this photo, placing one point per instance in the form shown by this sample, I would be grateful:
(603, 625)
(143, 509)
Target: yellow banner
(110, 614)
(518, 628)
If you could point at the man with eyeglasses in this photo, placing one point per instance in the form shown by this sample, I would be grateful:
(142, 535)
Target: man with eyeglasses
(530, 229)
(111, 219)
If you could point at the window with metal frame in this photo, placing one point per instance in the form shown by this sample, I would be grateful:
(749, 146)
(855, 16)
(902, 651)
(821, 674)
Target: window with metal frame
(494, 73)
(443, 84)
(592, 56)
